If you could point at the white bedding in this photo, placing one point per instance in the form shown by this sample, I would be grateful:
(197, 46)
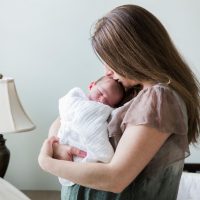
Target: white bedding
(9, 192)
(189, 188)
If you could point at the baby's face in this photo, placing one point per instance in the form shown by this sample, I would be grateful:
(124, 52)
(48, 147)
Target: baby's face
(105, 92)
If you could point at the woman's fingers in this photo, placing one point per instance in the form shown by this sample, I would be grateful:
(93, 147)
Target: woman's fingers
(47, 146)
(77, 152)
(72, 150)
(53, 139)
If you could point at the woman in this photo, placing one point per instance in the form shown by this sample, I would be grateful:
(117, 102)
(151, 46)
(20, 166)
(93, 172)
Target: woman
(150, 132)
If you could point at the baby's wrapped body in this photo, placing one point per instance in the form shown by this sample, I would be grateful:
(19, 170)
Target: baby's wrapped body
(84, 125)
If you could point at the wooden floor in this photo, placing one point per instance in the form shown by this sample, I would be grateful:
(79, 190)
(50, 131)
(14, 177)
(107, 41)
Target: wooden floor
(42, 195)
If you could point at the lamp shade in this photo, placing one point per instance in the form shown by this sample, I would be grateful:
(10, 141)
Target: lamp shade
(13, 117)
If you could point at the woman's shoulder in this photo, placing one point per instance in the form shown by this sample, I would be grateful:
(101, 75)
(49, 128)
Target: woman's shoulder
(160, 107)
(142, 98)
(158, 89)
(154, 95)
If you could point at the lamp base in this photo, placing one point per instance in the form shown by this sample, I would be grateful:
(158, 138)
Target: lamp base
(4, 156)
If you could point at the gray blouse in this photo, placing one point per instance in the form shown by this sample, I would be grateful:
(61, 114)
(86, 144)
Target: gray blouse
(162, 108)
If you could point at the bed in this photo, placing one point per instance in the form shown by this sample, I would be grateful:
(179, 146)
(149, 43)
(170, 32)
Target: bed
(189, 188)
(9, 192)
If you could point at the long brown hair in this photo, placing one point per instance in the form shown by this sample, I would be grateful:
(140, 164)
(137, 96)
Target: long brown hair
(134, 43)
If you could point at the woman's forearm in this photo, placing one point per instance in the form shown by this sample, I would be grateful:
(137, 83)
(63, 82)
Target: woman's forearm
(85, 174)
(128, 161)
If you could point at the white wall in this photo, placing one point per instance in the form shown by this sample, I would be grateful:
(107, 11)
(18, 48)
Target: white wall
(45, 46)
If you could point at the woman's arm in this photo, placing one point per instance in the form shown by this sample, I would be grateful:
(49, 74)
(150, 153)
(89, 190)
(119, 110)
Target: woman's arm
(136, 148)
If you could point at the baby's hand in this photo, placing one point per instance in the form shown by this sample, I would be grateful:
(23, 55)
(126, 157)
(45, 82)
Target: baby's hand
(61, 152)
(65, 152)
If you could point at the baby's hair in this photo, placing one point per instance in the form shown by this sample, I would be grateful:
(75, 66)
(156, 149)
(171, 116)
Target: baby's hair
(118, 83)
(118, 86)
(100, 79)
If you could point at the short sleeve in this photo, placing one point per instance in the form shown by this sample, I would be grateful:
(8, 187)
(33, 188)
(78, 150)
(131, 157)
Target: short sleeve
(159, 107)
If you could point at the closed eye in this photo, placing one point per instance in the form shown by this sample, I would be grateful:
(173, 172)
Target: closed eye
(99, 93)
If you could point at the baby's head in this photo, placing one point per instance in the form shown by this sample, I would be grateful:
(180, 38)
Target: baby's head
(107, 91)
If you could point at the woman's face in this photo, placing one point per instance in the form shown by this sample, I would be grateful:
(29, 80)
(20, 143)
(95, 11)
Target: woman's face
(127, 83)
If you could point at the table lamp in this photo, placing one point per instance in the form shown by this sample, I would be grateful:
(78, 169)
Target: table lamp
(13, 118)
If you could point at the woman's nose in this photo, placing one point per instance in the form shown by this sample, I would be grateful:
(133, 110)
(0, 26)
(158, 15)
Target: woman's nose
(109, 73)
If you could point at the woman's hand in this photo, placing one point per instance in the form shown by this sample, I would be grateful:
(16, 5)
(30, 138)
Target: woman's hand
(51, 148)
(46, 150)
(66, 152)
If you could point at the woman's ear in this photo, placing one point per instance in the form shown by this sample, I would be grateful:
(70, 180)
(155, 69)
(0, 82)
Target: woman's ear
(91, 85)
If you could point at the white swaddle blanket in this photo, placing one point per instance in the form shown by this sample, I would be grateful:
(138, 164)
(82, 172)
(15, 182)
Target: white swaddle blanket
(84, 125)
